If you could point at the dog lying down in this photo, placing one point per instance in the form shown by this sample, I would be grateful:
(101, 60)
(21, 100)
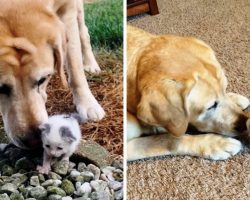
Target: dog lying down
(60, 136)
(174, 82)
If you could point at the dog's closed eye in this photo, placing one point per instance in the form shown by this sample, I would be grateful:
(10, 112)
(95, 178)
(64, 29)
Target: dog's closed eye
(214, 106)
(5, 89)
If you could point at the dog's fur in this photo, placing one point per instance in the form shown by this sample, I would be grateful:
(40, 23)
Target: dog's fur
(36, 37)
(174, 82)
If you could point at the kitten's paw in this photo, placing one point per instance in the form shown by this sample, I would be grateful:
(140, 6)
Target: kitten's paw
(222, 149)
(43, 169)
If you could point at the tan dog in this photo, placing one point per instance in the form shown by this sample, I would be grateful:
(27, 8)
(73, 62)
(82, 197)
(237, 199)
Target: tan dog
(174, 82)
(35, 37)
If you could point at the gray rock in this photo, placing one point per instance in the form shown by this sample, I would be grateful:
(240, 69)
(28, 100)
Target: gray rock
(34, 181)
(24, 163)
(98, 185)
(8, 188)
(61, 167)
(87, 176)
(56, 190)
(115, 185)
(7, 170)
(41, 178)
(108, 172)
(4, 197)
(78, 185)
(57, 183)
(53, 175)
(81, 167)
(101, 195)
(23, 190)
(85, 188)
(119, 194)
(118, 163)
(93, 152)
(71, 166)
(68, 198)
(47, 183)
(18, 179)
(118, 175)
(74, 173)
(6, 179)
(3, 162)
(54, 197)
(95, 170)
(38, 192)
(68, 187)
(79, 179)
(104, 178)
(30, 199)
(16, 196)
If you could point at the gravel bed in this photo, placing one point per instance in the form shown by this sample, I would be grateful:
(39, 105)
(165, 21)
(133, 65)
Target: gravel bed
(19, 179)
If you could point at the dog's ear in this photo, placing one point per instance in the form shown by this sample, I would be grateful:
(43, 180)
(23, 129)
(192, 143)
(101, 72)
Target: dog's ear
(59, 49)
(165, 108)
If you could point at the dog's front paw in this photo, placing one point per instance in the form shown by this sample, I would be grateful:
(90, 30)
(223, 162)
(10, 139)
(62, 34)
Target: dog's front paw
(90, 110)
(92, 68)
(240, 100)
(43, 169)
(222, 148)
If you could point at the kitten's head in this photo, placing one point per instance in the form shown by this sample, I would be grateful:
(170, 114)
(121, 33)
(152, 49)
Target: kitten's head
(56, 140)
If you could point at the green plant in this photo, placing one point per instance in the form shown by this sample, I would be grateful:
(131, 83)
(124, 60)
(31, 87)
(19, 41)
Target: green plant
(104, 20)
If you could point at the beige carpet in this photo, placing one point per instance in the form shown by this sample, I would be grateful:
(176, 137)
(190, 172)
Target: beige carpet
(225, 26)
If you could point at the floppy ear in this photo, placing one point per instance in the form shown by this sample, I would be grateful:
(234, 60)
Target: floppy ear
(165, 108)
(59, 50)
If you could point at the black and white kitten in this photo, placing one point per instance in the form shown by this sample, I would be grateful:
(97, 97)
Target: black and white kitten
(60, 136)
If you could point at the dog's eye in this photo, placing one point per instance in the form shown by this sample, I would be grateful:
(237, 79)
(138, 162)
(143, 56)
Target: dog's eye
(59, 148)
(48, 146)
(41, 81)
(214, 106)
(5, 89)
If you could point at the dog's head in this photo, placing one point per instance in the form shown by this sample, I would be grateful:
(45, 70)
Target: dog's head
(31, 47)
(188, 90)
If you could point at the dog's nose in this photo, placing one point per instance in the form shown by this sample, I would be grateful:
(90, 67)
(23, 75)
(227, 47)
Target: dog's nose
(242, 123)
(33, 138)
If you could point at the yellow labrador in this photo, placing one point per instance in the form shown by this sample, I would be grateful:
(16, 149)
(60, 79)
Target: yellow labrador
(174, 82)
(35, 37)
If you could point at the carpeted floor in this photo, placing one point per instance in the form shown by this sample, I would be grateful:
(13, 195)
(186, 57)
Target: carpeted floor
(225, 26)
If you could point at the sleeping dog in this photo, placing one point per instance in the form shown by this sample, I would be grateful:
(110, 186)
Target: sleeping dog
(174, 82)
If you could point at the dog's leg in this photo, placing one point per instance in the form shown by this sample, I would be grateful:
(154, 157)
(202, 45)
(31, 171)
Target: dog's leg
(89, 61)
(86, 104)
(210, 146)
(240, 100)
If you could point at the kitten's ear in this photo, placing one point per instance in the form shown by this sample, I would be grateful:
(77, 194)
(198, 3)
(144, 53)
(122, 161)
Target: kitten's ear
(66, 134)
(78, 117)
(45, 128)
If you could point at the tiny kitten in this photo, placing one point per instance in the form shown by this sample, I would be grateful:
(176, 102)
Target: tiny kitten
(60, 136)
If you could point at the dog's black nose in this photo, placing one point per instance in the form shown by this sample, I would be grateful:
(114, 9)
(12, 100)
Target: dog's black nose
(33, 139)
(241, 124)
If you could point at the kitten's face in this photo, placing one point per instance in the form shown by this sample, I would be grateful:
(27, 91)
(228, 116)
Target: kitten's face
(55, 149)
(56, 141)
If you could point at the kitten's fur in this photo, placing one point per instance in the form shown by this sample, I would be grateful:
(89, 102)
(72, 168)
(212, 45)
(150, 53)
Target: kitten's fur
(60, 135)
